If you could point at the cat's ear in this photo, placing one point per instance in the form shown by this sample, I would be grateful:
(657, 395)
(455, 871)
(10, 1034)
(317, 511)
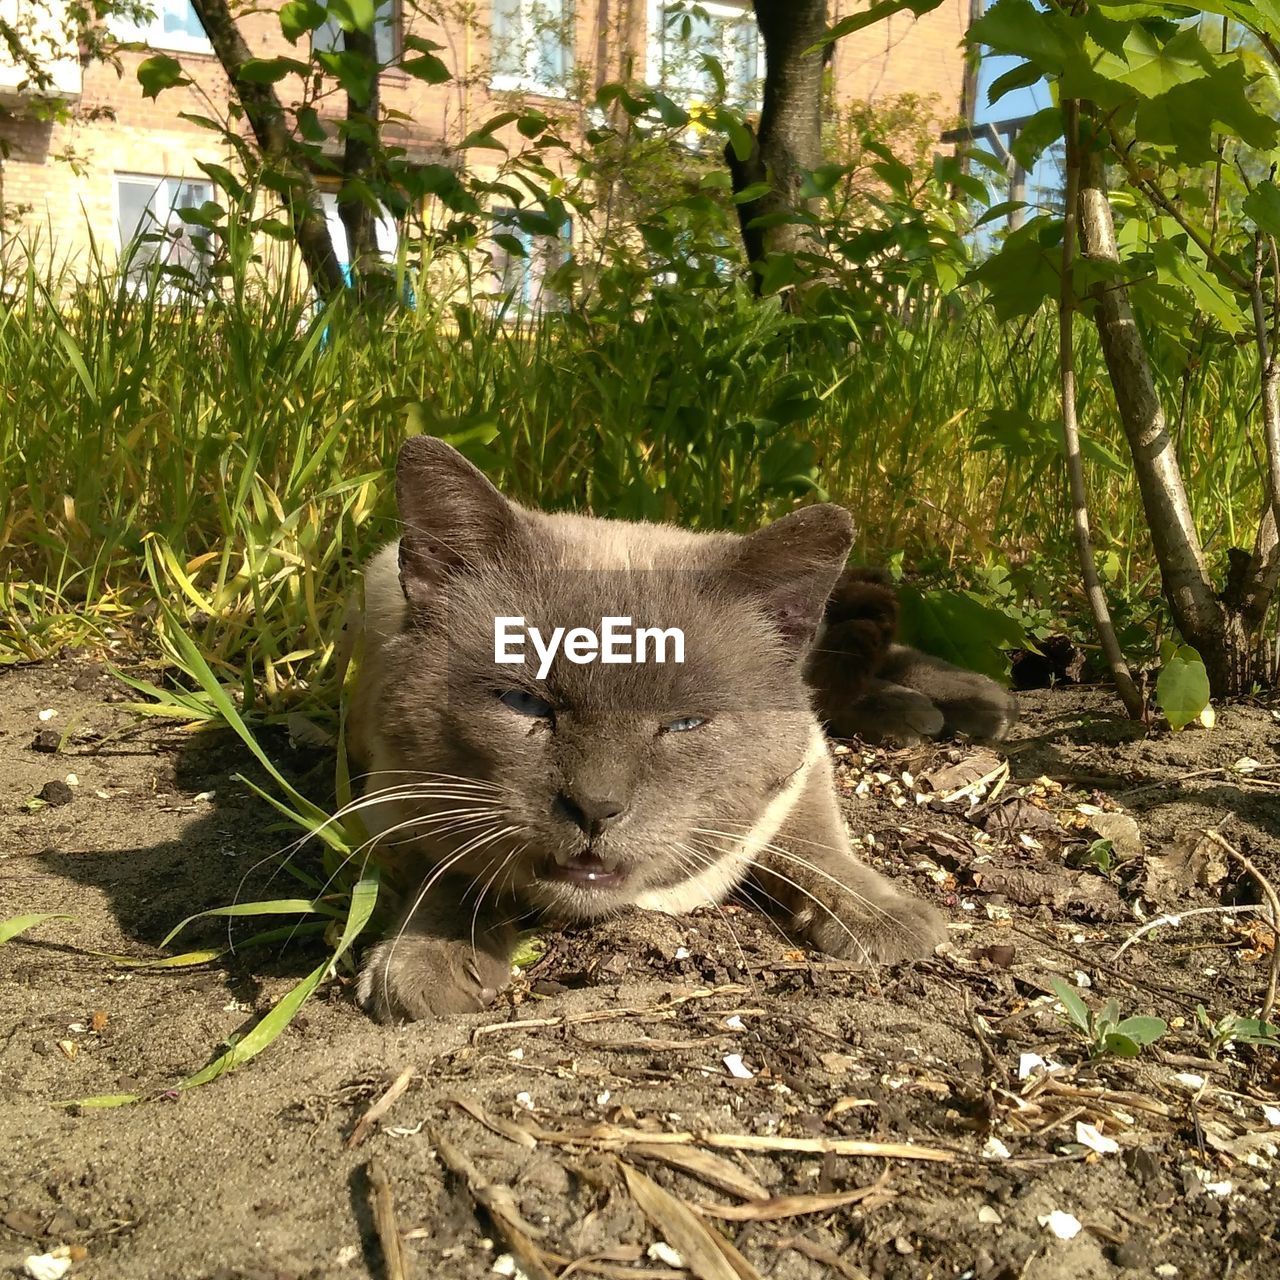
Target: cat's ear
(454, 520)
(791, 565)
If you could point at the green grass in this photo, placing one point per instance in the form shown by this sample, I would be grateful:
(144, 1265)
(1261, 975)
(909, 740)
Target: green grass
(247, 444)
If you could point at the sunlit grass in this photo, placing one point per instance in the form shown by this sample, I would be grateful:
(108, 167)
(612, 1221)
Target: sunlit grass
(248, 441)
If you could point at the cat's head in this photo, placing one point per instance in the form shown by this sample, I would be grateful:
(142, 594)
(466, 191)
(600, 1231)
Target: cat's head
(585, 784)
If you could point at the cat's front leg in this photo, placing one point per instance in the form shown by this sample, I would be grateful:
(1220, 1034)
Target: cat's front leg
(443, 957)
(834, 903)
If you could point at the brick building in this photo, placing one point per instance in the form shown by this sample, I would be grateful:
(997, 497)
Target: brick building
(116, 159)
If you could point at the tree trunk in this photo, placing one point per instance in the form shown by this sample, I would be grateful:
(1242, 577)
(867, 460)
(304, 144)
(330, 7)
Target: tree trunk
(1125, 687)
(1218, 632)
(789, 141)
(266, 118)
(358, 216)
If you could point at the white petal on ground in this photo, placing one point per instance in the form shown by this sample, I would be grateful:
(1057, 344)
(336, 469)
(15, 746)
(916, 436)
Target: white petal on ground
(1090, 1136)
(1063, 1225)
(46, 1266)
(664, 1253)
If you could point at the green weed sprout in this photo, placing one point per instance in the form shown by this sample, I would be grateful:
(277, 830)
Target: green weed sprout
(1105, 1031)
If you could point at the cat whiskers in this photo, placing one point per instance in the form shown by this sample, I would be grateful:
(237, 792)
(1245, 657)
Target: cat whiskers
(439, 788)
(696, 860)
(791, 856)
(799, 888)
(474, 844)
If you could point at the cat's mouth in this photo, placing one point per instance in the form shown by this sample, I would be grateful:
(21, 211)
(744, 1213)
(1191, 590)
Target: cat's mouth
(586, 868)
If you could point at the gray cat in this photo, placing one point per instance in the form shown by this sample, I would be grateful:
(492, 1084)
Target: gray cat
(501, 797)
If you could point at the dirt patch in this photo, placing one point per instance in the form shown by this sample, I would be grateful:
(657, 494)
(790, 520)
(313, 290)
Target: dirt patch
(773, 1063)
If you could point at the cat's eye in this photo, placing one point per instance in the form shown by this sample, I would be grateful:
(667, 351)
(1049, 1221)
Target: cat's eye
(527, 704)
(683, 725)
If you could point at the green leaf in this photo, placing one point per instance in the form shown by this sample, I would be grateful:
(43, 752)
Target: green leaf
(877, 12)
(15, 925)
(1077, 1010)
(427, 68)
(1153, 68)
(1041, 131)
(1024, 272)
(1121, 1045)
(1186, 118)
(354, 72)
(529, 950)
(310, 125)
(270, 70)
(960, 628)
(1176, 266)
(275, 907)
(1182, 690)
(1142, 1030)
(1262, 204)
(1045, 39)
(102, 1101)
(669, 112)
(1023, 76)
(483, 136)
(299, 17)
(364, 898)
(159, 72)
(741, 138)
(223, 178)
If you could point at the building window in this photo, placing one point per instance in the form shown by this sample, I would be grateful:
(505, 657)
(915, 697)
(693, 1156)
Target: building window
(385, 232)
(532, 45)
(153, 234)
(173, 26)
(683, 33)
(386, 34)
(522, 264)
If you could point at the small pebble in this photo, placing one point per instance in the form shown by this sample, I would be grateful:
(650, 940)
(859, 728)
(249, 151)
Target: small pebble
(56, 792)
(46, 740)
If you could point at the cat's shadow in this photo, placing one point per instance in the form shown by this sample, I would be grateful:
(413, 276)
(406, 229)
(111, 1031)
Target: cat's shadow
(230, 847)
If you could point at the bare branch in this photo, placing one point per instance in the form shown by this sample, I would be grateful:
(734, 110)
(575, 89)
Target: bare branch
(1128, 691)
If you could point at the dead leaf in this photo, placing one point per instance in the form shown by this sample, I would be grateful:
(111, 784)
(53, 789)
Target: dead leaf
(1194, 861)
(1060, 889)
(791, 1206)
(820, 1253)
(705, 1252)
(962, 773)
(1012, 816)
(715, 1171)
(1121, 830)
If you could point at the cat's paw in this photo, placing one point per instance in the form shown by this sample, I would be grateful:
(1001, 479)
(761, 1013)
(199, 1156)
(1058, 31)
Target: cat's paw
(980, 709)
(887, 713)
(883, 928)
(415, 977)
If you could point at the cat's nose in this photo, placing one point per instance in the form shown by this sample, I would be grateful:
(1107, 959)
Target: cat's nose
(595, 814)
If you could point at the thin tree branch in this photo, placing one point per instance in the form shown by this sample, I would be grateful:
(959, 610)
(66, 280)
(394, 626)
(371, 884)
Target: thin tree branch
(1194, 604)
(1125, 687)
(1159, 198)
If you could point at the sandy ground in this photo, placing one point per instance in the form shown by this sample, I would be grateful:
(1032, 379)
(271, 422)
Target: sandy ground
(558, 1097)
